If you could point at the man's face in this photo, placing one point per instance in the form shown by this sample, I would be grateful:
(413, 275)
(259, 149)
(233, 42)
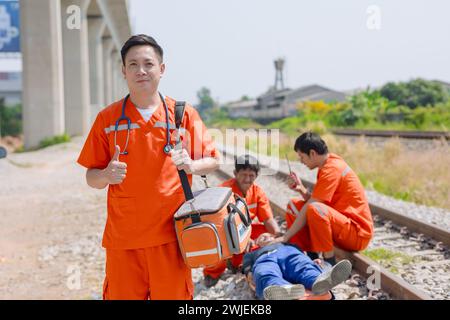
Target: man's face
(143, 69)
(308, 160)
(245, 179)
(264, 239)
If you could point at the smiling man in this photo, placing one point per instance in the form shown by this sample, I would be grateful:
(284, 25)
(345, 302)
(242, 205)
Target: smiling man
(336, 213)
(130, 150)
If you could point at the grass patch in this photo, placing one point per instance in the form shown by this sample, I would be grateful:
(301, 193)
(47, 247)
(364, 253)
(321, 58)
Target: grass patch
(54, 140)
(388, 258)
(419, 176)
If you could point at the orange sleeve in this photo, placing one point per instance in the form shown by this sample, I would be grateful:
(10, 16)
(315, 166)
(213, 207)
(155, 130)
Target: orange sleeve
(95, 152)
(201, 144)
(327, 183)
(264, 211)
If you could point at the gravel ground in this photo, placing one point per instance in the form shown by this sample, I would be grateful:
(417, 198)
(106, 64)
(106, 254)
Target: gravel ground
(51, 227)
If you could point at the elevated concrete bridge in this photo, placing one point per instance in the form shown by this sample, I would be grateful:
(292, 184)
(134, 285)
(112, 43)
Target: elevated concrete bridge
(71, 63)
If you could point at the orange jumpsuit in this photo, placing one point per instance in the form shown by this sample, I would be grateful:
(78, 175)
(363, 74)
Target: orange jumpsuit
(342, 218)
(142, 255)
(260, 211)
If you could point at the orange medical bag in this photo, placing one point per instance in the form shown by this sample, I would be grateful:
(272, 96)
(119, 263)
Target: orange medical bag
(212, 226)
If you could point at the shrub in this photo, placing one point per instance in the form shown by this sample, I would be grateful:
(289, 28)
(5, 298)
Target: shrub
(10, 120)
(54, 140)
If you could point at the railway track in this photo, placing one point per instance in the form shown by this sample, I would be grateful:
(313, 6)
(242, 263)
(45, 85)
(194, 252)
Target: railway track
(426, 273)
(419, 135)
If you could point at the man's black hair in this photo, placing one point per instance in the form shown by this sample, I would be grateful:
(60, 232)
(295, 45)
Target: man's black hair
(310, 141)
(246, 162)
(141, 40)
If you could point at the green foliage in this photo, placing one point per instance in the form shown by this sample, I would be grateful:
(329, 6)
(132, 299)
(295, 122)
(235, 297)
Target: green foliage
(205, 102)
(415, 105)
(10, 120)
(388, 258)
(54, 140)
(415, 93)
(366, 110)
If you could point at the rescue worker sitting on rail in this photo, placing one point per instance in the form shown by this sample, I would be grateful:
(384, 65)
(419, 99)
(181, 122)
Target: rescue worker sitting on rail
(335, 213)
(243, 184)
(282, 272)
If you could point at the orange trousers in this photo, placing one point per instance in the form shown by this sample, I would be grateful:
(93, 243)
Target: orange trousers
(156, 273)
(236, 260)
(326, 228)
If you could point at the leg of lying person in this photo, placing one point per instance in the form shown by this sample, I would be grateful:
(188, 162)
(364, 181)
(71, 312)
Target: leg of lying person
(299, 268)
(269, 281)
(266, 273)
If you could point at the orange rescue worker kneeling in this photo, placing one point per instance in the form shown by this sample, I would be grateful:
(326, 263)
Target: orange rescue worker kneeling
(246, 171)
(130, 150)
(336, 213)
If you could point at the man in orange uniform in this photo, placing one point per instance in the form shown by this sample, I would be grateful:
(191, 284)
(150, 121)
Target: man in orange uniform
(336, 213)
(245, 173)
(135, 159)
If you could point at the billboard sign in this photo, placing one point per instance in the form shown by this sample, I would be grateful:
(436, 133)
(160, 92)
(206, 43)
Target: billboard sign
(9, 26)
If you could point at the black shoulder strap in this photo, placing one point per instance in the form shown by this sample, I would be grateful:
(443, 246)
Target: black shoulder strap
(179, 114)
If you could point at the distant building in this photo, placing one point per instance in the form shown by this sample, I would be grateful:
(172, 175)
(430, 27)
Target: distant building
(278, 104)
(310, 93)
(11, 87)
(241, 109)
(270, 106)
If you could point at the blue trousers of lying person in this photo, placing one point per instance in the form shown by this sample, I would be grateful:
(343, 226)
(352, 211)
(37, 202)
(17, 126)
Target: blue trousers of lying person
(280, 264)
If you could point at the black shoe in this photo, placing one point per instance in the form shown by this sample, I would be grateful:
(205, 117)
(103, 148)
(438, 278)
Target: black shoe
(210, 281)
(233, 269)
(313, 255)
(331, 260)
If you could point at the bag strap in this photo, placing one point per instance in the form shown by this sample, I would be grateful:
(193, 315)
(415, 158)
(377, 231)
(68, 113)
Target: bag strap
(239, 198)
(245, 219)
(179, 114)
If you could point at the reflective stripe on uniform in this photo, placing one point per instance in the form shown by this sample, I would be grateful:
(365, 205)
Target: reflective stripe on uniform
(293, 208)
(347, 170)
(121, 127)
(251, 206)
(201, 253)
(319, 208)
(160, 124)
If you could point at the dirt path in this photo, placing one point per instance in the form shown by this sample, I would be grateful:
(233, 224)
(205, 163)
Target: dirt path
(51, 224)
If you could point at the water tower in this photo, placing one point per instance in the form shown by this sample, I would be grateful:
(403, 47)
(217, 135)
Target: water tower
(279, 81)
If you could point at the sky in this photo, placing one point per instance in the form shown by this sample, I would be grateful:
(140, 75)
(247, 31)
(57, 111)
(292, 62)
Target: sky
(229, 46)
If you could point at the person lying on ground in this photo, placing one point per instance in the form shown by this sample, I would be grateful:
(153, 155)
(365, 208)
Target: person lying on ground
(282, 271)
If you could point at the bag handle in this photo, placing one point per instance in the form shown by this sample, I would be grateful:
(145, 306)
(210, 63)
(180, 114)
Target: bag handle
(245, 220)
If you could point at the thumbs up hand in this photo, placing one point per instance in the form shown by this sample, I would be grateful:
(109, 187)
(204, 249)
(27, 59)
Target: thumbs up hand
(116, 171)
(182, 160)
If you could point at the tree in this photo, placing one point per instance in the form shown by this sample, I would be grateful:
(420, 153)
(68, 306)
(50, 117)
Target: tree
(205, 101)
(415, 93)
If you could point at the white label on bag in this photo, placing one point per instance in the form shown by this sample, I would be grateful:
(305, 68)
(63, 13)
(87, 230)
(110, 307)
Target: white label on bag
(242, 231)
